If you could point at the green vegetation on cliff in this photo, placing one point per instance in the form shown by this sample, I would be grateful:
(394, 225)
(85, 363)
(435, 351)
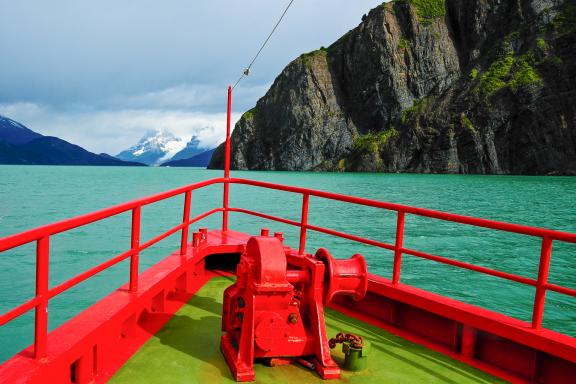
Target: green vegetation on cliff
(495, 77)
(467, 123)
(510, 71)
(307, 57)
(373, 142)
(473, 73)
(419, 105)
(428, 10)
(404, 43)
(249, 114)
(341, 165)
(524, 74)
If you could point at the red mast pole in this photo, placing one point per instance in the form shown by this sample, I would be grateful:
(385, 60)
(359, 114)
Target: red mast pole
(227, 162)
(227, 152)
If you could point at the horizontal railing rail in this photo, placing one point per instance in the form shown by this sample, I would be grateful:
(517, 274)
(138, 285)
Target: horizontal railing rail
(547, 236)
(21, 238)
(41, 236)
(469, 220)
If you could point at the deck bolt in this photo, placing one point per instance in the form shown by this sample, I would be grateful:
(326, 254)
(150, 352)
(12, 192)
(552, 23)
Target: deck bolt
(196, 237)
(204, 232)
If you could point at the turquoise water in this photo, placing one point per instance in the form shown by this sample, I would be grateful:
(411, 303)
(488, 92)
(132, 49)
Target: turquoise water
(34, 195)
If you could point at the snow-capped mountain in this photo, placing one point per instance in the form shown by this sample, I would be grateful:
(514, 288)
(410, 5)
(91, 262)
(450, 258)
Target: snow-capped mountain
(192, 149)
(154, 148)
(200, 160)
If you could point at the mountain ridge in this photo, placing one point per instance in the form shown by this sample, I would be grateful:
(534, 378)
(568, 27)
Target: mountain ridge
(158, 147)
(200, 160)
(155, 147)
(19, 145)
(192, 149)
(15, 133)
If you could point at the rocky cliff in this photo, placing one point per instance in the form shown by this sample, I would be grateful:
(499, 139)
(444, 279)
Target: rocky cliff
(432, 86)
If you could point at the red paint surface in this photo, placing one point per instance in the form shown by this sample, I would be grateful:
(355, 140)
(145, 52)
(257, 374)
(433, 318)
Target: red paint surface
(227, 150)
(104, 336)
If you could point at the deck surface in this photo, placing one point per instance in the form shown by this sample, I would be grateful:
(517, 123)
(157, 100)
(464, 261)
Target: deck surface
(187, 350)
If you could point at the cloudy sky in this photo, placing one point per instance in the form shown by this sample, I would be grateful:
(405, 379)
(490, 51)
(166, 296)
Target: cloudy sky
(102, 73)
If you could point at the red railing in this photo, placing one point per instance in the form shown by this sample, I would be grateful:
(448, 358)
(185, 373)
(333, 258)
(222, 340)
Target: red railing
(548, 236)
(42, 236)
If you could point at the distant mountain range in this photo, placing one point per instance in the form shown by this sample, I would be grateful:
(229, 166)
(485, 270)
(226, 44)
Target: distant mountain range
(21, 145)
(191, 150)
(163, 148)
(200, 160)
(154, 148)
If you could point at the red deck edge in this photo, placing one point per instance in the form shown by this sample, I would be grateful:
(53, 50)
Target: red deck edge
(93, 345)
(96, 343)
(438, 323)
(516, 330)
(430, 344)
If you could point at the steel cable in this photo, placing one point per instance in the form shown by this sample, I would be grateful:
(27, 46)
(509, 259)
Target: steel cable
(247, 70)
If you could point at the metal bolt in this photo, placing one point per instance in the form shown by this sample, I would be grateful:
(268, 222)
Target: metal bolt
(293, 318)
(196, 237)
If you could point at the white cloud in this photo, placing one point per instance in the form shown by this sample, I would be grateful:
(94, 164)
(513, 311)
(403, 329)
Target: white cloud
(193, 96)
(113, 124)
(111, 131)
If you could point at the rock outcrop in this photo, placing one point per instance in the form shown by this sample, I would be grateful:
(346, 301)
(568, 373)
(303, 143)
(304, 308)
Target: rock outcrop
(431, 86)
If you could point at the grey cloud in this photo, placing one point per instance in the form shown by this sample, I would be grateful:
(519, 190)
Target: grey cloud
(111, 131)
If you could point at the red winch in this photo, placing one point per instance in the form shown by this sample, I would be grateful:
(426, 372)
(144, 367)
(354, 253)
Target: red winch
(275, 310)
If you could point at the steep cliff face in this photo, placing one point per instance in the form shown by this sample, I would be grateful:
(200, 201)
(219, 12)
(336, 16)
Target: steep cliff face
(298, 124)
(433, 86)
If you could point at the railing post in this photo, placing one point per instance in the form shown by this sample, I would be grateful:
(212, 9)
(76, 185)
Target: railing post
(303, 223)
(227, 162)
(468, 342)
(540, 296)
(225, 206)
(185, 220)
(398, 247)
(135, 244)
(41, 313)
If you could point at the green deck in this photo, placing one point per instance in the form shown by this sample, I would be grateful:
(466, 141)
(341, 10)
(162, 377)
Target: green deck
(187, 350)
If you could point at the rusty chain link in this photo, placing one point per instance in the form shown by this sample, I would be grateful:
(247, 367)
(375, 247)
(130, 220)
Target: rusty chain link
(354, 340)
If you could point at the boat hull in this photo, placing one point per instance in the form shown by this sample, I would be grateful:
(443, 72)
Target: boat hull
(96, 343)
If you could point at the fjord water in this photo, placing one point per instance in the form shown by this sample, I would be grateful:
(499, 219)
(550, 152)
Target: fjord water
(35, 195)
